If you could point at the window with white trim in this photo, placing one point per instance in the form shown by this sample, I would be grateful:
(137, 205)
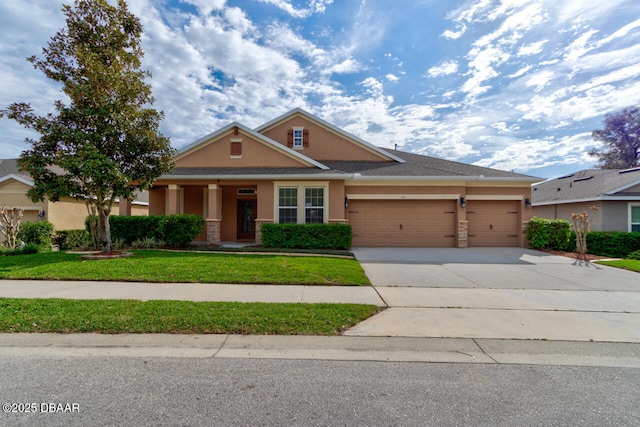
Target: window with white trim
(634, 213)
(288, 205)
(303, 202)
(297, 138)
(314, 205)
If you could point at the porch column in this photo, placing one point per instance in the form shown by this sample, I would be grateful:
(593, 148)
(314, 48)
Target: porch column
(124, 207)
(173, 199)
(213, 219)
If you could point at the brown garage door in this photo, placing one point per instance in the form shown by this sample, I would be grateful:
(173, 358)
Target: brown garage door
(418, 223)
(493, 223)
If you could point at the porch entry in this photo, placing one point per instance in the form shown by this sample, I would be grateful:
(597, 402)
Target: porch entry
(246, 219)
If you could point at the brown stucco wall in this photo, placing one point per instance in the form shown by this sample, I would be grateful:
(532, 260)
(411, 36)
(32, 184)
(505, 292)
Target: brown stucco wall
(254, 154)
(323, 144)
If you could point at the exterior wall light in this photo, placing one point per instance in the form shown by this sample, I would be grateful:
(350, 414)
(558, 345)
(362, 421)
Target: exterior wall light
(346, 202)
(463, 202)
(527, 203)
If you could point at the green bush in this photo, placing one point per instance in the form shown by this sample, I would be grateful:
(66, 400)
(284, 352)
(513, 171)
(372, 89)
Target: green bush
(544, 233)
(634, 255)
(615, 244)
(306, 236)
(72, 239)
(29, 248)
(178, 231)
(37, 233)
(128, 229)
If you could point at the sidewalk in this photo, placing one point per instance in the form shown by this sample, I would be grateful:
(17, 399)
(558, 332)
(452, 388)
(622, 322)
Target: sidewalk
(189, 292)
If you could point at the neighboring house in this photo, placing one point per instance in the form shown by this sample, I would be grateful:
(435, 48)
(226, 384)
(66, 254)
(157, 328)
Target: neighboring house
(615, 192)
(66, 214)
(301, 169)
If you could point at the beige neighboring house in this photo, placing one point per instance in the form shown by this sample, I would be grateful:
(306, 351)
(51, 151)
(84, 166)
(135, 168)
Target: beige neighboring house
(66, 214)
(615, 192)
(298, 168)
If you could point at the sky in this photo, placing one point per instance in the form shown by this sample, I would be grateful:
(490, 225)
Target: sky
(516, 85)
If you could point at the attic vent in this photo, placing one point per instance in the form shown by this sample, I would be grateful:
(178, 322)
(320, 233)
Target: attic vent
(246, 191)
(583, 179)
(566, 176)
(629, 170)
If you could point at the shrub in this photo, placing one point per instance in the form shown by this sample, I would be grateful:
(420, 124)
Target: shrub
(634, 255)
(615, 244)
(544, 233)
(147, 243)
(29, 248)
(72, 239)
(37, 233)
(178, 231)
(306, 236)
(132, 228)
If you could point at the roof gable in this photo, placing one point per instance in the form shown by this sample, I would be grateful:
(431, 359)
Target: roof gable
(327, 142)
(214, 150)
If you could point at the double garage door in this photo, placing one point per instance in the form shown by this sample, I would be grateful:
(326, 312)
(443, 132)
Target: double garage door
(432, 223)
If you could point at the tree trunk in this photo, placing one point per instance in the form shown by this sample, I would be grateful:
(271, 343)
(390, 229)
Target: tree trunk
(106, 230)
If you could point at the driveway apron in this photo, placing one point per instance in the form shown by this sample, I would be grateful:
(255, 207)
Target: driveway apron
(508, 293)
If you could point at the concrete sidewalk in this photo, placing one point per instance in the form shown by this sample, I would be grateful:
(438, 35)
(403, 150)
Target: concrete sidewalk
(189, 292)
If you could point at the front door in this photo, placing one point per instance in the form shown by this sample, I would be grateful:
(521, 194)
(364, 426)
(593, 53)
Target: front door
(247, 219)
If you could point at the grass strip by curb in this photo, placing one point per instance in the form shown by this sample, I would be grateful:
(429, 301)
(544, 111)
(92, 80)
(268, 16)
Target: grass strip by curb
(179, 317)
(627, 264)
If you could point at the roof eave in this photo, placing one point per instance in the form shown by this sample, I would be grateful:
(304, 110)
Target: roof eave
(587, 200)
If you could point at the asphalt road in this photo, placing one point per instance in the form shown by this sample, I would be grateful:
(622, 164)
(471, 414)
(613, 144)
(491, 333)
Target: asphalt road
(246, 392)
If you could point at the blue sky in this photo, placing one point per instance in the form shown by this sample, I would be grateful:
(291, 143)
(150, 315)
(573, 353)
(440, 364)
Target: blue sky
(513, 84)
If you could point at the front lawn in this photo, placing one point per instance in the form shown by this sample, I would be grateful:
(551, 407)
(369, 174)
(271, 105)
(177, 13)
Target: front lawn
(627, 264)
(187, 267)
(178, 317)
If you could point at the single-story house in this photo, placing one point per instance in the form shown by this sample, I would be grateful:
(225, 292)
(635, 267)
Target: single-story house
(615, 192)
(66, 214)
(298, 168)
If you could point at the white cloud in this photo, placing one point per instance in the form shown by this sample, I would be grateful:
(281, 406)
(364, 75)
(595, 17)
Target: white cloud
(345, 67)
(205, 7)
(522, 71)
(315, 6)
(540, 80)
(443, 69)
(532, 48)
(392, 78)
(454, 35)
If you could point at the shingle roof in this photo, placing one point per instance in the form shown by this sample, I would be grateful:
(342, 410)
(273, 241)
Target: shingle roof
(414, 166)
(587, 184)
(10, 167)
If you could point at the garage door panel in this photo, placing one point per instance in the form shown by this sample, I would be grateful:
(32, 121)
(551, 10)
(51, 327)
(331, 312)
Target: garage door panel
(493, 223)
(403, 222)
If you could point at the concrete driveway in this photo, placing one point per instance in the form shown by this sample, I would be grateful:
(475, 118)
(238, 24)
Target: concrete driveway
(507, 293)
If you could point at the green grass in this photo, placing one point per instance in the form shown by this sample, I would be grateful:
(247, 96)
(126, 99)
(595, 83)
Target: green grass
(179, 317)
(186, 267)
(627, 264)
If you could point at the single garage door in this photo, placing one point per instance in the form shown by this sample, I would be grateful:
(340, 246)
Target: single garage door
(493, 222)
(420, 223)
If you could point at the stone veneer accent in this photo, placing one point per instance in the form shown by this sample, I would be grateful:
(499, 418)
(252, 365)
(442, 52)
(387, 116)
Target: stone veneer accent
(259, 222)
(463, 234)
(213, 231)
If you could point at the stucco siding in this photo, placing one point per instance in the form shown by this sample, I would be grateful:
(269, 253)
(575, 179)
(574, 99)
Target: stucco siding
(254, 154)
(323, 144)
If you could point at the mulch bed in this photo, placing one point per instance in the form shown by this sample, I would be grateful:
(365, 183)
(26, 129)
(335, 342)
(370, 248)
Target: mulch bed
(574, 255)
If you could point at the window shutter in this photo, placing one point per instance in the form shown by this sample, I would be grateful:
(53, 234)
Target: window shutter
(236, 148)
(305, 137)
(289, 137)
